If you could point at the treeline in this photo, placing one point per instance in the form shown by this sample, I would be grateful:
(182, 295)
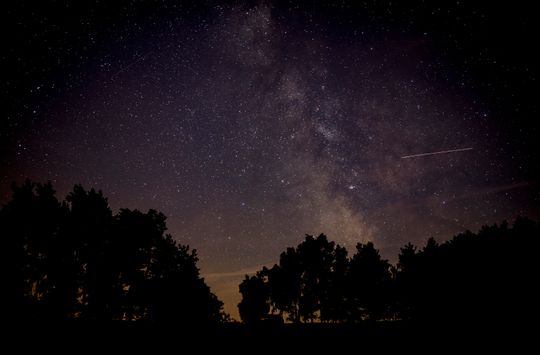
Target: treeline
(76, 260)
(489, 277)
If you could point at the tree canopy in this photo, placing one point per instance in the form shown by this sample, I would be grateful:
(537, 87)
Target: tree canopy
(489, 276)
(75, 259)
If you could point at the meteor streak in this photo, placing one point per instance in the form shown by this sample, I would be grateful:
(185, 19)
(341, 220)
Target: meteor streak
(435, 153)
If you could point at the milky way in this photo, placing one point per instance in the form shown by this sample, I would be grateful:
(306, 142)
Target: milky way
(251, 125)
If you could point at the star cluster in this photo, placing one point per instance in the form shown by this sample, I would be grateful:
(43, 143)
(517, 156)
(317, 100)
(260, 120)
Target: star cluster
(250, 125)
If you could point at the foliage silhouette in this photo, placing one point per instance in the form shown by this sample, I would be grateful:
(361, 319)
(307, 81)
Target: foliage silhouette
(369, 280)
(76, 259)
(296, 288)
(254, 306)
(488, 278)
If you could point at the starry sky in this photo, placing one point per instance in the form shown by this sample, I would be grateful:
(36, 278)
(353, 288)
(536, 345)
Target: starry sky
(250, 124)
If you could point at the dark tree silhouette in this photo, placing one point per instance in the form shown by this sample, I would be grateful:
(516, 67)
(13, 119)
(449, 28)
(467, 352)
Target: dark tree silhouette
(284, 282)
(316, 257)
(334, 304)
(406, 280)
(487, 279)
(254, 306)
(369, 284)
(31, 223)
(307, 285)
(78, 260)
(89, 228)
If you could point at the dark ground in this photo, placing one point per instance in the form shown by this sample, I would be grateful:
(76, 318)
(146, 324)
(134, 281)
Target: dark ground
(234, 338)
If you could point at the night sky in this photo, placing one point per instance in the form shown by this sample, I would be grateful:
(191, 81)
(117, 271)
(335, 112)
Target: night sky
(250, 124)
